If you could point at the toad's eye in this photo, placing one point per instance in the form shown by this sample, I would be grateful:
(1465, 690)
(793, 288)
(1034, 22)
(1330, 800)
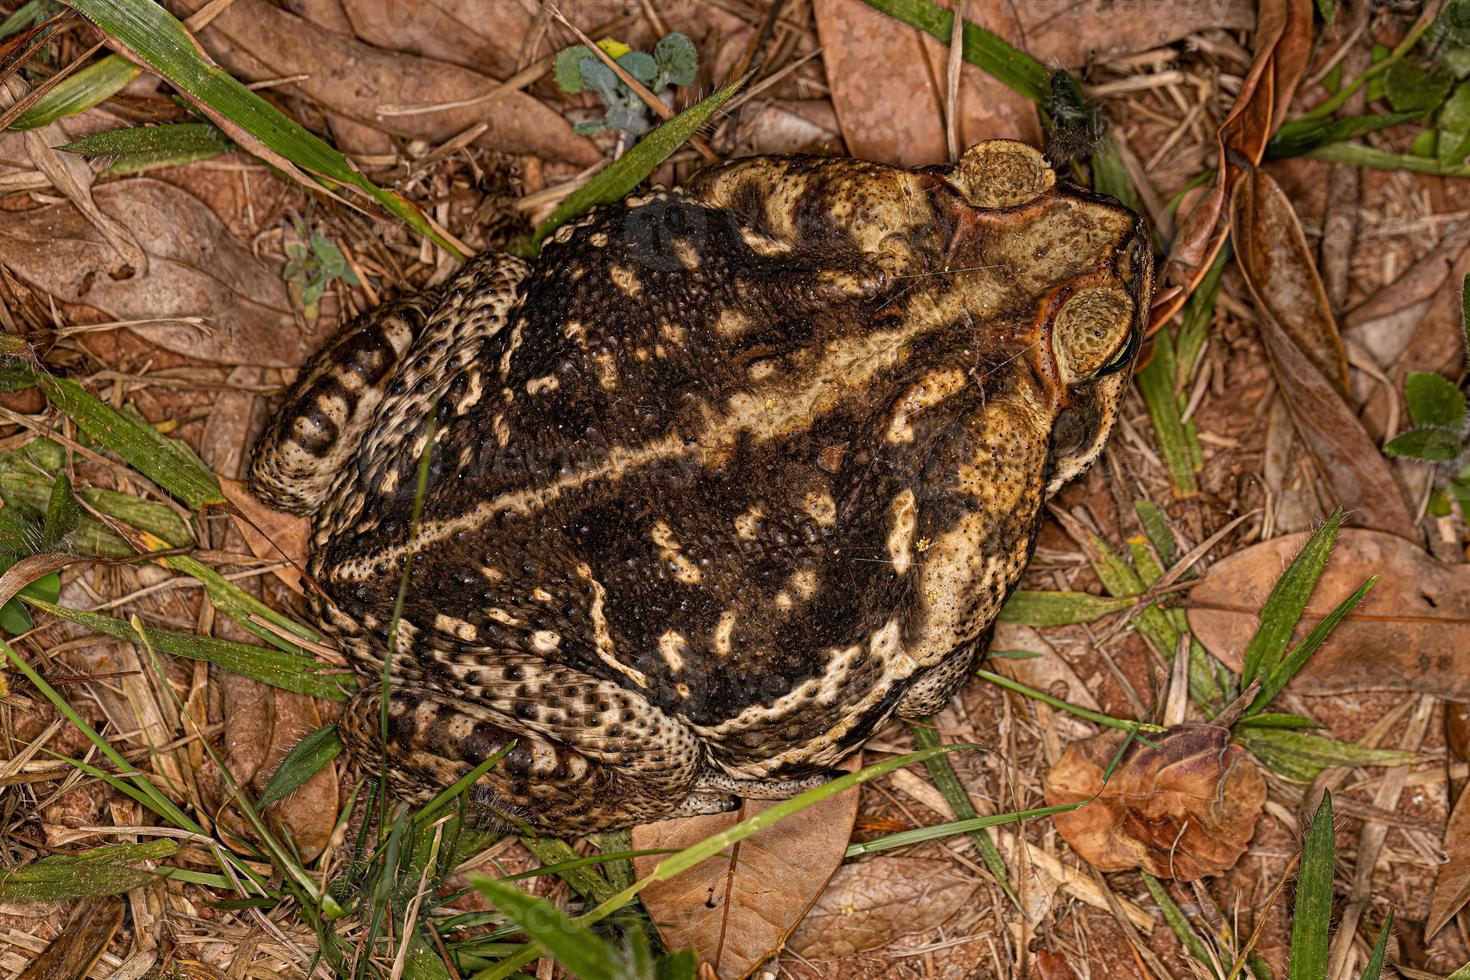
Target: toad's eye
(1093, 333)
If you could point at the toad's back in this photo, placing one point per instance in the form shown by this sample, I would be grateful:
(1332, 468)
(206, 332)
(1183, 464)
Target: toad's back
(764, 456)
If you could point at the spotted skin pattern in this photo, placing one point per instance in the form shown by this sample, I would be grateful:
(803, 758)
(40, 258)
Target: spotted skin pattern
(731, 475)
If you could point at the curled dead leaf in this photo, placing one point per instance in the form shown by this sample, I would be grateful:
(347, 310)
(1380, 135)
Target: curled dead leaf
(1452, 881)
(1184, 807)
(270, 534)
(1411, 632)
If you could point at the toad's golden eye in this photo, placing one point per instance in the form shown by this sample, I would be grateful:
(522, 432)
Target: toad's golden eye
(1093, 333)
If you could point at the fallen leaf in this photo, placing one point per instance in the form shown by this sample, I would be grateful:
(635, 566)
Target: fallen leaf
(1184, 807)
(871, 903)
(1078, 32)
(256, 40)
(1410, 633)
(81, 944)
(1457, 730)
(738, 908)
(896, 114)
(270, 534)
(1283, 46)
(1349, 461)
(1452, 882)
(196, 270)
(1053, 966)
(1282, 275)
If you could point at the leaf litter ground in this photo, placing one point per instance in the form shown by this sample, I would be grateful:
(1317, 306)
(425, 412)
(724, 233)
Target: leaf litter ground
(1232, 421)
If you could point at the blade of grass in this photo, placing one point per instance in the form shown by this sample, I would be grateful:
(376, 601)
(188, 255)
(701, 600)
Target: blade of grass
(1096, 717)
(1039, 607)
(920, 835)
(927, 737)
(167, 462)
(104, 870)
(1373, 970)
(616, 180)
(1175, 436)
(984, 49)
(145, 32)
(144, 147)
(307, 758)
(1312, 914)
(278, 668)
(569, 941)
(1302, 755)
(1181, 925)
(1294, 661)
(1284, 606)
(79, 92)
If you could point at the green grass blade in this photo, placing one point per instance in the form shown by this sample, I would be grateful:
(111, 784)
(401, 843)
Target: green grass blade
(948, 784)
(101, 871)
(278, 668)
(920, 835)
(1312, 916)
(1156, 527)
(307, 758)
(144, 147)
(570, 942)
(1156, 383)
(62, 514)
(148, 33)
(1039, 607)
(1304, 135)
(1284, 606)
(79, 92)
(1180, 924)
(987, 51)
(167, 462)
(585, 878)
(1096, 717)
(618, 178)
(1294, 661)
(1302, 755)
(1374, 968)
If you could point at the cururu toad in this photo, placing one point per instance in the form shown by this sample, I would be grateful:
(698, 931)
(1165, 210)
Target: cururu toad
(726, 478)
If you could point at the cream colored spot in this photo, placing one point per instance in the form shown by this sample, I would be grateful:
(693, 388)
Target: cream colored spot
(541, 595)
(724, 631)
(686, 254)
(672, 646)
(601, 636)
(626, 280)
(684, 570)
(932, 390)
(805, 583)
(607, 370)
(575, 331)
(502, 617)
(456, 627)
(511, 346)
(682, 690)
(474, 389)
(783, 601)
(821, 508)
(887, 644)
(598, 239)
(673, 332)
(545, 641)
(761, 370)
(501, 428)
(732, 323)
(748, 524)
(903, 512)
(547, 382)
(491, 574)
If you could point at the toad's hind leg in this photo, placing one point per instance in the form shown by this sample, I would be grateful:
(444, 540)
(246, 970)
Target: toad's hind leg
(388, 363)
(566, 778)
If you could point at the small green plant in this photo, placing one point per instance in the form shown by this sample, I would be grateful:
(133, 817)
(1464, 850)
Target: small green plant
(673, 62)
(313, 261)
(1437, 434)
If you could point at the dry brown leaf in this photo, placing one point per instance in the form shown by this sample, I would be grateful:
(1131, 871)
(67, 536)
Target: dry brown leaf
(1075, 32)
(888, 84)
(1410, 633)
(1283, 46)
(1452, 882)
(1184, 808)
(1053, 966)
(1299, 334)
(270, 534)
(1282, 275)
(196, 269)
(871, 903)
(255, 40)
(738, 908)
(81, 944)
(1457, 730)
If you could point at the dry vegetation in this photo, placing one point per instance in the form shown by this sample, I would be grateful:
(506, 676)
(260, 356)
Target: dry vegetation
(191, 291)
